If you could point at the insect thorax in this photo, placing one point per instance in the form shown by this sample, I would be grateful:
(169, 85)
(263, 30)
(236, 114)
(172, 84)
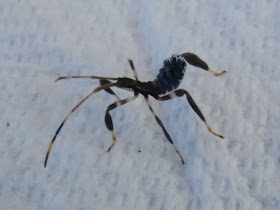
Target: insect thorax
(170, 75)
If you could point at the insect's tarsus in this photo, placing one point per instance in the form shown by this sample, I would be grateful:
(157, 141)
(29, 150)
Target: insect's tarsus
(168, 80)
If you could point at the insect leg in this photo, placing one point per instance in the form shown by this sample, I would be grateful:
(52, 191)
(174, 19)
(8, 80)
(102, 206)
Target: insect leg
(196, 61)
(180, 93)
(69, 114)
(108, 90)
(108, 118)
(163, 128)
(133, 69)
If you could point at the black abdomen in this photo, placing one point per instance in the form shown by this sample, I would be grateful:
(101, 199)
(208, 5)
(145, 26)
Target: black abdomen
(170, 75)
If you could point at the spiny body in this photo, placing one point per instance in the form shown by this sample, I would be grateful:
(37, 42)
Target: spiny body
(169, 78)
(170, 75)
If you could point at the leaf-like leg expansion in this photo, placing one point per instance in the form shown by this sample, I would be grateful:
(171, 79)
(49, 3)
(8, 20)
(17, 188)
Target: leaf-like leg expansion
(163, 128)
(180, 93)
(196, 61)
(108, 118)
(69, 114)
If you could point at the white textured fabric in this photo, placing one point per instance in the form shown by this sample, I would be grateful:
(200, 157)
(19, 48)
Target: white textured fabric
(42, 40)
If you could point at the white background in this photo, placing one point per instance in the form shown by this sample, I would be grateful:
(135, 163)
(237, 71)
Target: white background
(42, 40)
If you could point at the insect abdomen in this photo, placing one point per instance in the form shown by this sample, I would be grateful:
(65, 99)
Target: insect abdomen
(170, 75)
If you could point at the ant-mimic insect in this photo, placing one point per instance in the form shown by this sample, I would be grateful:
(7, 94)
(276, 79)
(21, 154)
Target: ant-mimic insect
(168, 79)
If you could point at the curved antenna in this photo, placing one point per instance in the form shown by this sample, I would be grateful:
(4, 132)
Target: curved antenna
(88, 77)
(69, 114)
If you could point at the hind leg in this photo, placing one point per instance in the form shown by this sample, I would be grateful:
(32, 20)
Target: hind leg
(180, 93)
(196, 61)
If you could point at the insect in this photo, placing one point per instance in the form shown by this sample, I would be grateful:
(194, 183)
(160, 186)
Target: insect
(163, 88)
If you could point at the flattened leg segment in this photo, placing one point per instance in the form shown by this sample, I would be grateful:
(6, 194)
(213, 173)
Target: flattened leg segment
(180, 93)
(108, 117)
(194, 60)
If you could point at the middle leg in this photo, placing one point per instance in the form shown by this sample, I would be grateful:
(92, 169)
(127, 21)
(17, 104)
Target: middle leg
(108, 118)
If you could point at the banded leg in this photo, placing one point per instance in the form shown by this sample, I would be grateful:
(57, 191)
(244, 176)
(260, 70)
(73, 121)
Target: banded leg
(196, 61)
(108, 118)
(69, 114)
(180, 93)
(163, 128)
(133, 69)
(102, 80)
